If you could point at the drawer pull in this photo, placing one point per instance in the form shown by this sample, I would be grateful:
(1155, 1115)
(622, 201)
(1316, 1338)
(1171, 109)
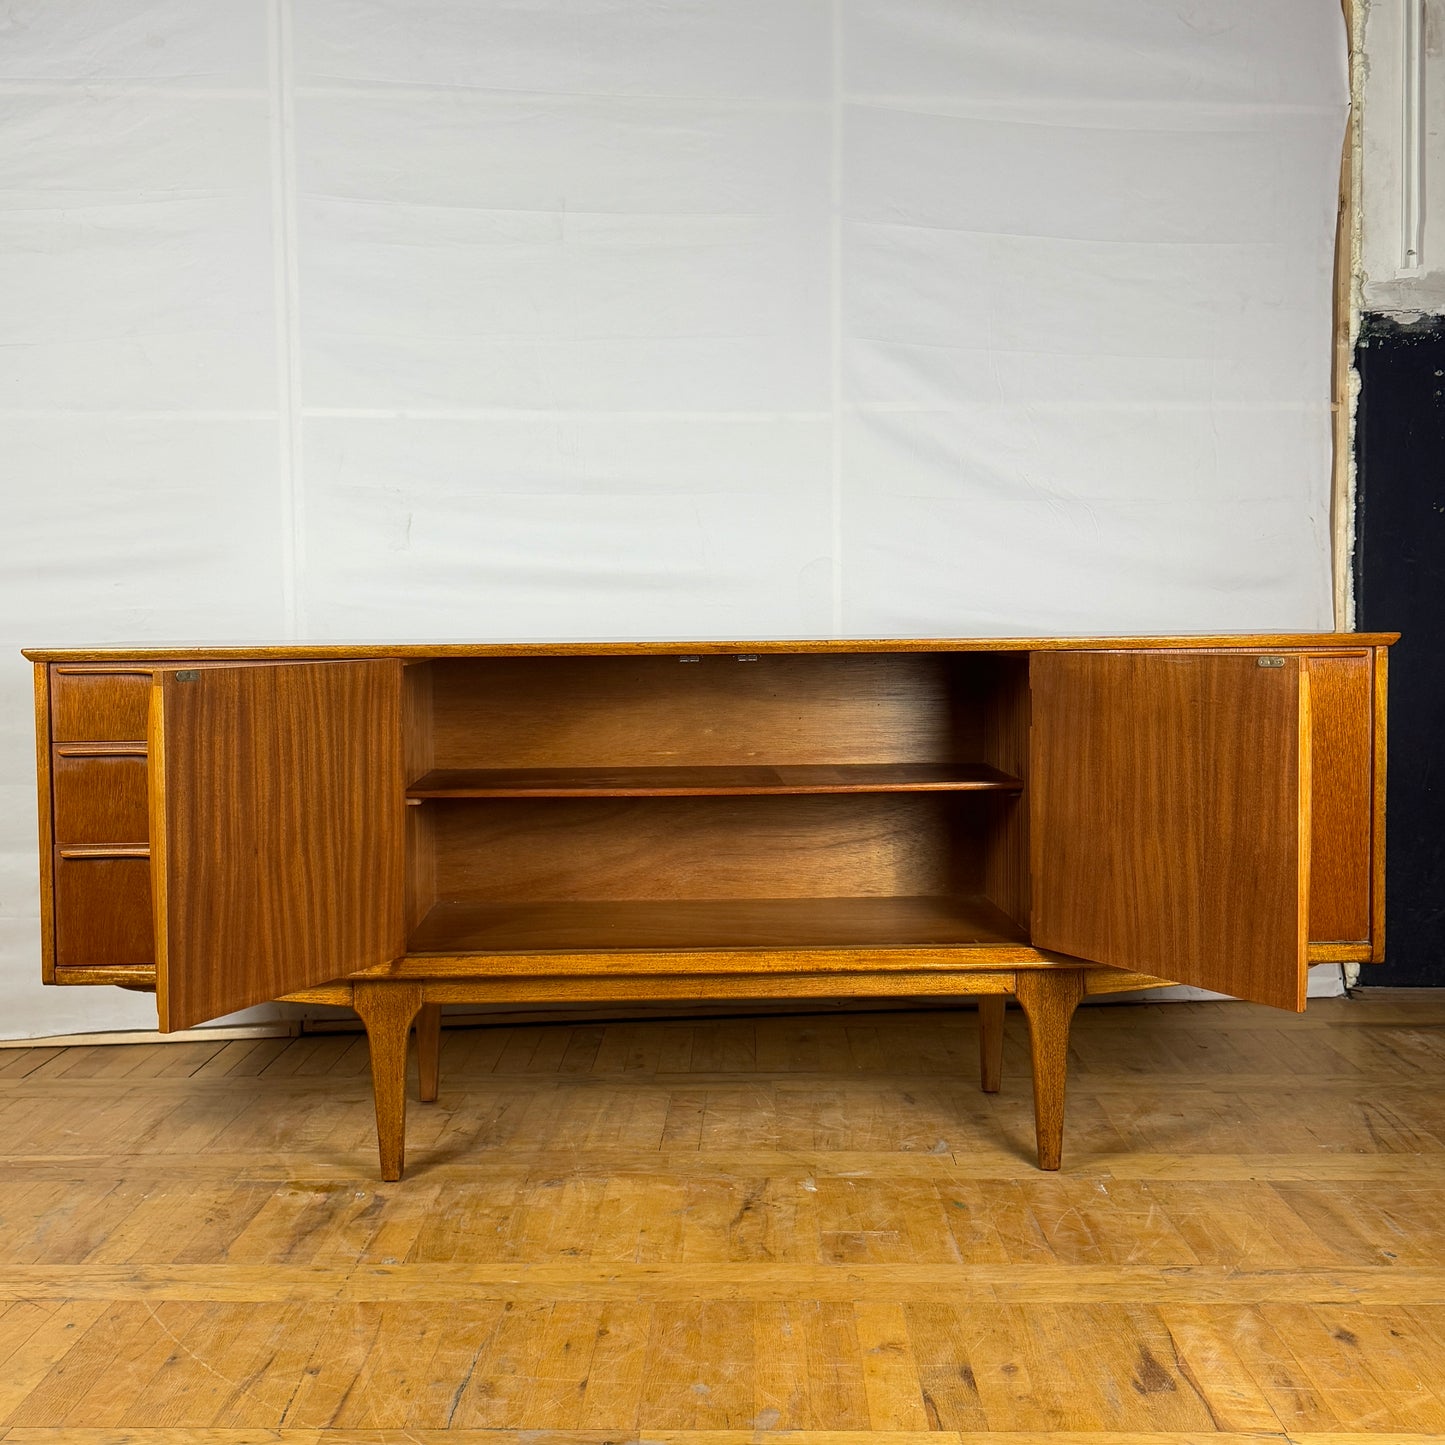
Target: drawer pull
(104, 671)
(100, 750)
(106, 850)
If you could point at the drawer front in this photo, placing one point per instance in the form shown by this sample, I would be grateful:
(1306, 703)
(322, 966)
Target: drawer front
(98, 704)
(102, 910)
(100, 794)
(1341, 796)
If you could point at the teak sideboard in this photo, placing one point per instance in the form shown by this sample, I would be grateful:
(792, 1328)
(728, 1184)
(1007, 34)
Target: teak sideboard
(401, 827)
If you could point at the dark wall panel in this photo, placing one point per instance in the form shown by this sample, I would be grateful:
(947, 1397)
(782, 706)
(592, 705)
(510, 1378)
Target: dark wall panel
(1400, 586)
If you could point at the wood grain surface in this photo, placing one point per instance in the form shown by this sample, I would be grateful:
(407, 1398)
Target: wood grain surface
(276, 830)
(1170, 817)
(613, 926)
(1377, 853)
(99, 704)
(418, 756)
(388, 1012)
(643, 711)
(1342, 796)
(141, 977)
(692, 781)
(718, 1232)
(505, 979)
(528, 850)
(45, 820)
(538, 647)
(100, 797)
(1048, 1000)
(102, 910)
(1006, 724)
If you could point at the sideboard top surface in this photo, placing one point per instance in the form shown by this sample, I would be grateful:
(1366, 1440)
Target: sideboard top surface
(203, 652)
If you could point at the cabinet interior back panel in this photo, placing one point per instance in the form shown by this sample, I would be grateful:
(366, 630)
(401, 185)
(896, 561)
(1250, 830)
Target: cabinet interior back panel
(755, 847)
(717, 710)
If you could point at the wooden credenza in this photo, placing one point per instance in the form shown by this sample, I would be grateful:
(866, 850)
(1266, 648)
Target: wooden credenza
(400, 827)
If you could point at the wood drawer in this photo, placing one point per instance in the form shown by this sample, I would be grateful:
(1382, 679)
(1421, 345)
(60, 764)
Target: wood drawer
(100, 793)
(102, 910)
(99, 704)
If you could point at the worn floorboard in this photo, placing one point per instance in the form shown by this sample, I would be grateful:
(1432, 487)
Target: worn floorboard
(707, 1233)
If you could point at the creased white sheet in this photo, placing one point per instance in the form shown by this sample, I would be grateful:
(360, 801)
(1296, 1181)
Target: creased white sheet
(355, 318)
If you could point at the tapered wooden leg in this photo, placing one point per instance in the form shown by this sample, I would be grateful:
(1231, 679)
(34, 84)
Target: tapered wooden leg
(387, 1010)
(1048, 998)
(990, 1041)
(429, 1051)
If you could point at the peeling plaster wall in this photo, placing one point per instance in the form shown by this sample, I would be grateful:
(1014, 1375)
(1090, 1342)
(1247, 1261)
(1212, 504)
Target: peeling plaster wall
(1379, 287)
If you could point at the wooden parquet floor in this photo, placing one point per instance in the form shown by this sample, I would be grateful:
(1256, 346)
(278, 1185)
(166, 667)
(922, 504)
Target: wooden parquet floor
(711, 1233)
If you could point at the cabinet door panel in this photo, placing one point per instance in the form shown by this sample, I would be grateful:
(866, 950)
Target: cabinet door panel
(276, 830)
(1341, 796)
(1170, 816)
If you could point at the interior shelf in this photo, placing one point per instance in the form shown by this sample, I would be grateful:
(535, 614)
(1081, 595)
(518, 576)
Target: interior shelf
(684, 782)
(630, 925)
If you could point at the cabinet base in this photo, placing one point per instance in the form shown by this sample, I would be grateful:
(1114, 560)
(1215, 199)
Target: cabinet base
(391, 1008)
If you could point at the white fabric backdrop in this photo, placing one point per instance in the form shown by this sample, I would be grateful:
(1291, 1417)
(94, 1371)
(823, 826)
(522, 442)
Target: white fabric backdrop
(438, 318)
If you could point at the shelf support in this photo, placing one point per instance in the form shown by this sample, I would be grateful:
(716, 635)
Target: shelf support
(1048, 998)
(387, 1010)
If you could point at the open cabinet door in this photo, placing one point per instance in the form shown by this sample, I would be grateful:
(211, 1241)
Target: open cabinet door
(277, 819)
(1170, 816)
